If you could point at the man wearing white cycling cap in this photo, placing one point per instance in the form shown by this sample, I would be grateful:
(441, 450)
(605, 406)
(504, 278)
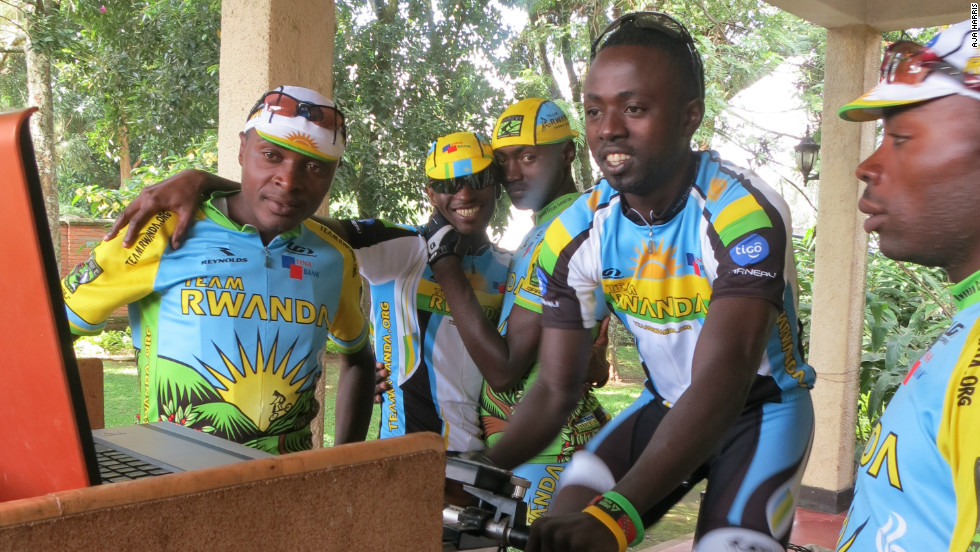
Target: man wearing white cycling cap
(229, 329)
(917, 484)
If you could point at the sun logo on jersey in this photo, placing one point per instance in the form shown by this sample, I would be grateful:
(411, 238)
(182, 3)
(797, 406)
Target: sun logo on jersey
(654, 262)
(259, 396)
(716, 188)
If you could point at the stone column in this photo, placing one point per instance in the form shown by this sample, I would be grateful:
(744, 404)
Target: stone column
(266, 43)
(852, 62)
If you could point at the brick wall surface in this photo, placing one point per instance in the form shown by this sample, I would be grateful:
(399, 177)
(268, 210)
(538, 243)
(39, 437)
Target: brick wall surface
(78, 237)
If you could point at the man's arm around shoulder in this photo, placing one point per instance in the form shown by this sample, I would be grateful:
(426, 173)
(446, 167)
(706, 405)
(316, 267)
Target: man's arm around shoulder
(180, 193)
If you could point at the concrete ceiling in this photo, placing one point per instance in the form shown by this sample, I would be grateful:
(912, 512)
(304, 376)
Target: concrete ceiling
(884, 15)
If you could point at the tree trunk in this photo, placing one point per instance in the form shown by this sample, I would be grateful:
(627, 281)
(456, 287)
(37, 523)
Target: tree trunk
(542, 47)
(584, 177)
(563, 52)
(42, 129)
(613, 359)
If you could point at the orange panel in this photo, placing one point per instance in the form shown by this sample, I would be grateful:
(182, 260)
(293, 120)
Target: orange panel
(40, 440)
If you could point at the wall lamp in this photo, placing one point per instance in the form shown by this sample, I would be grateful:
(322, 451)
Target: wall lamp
(806, 157)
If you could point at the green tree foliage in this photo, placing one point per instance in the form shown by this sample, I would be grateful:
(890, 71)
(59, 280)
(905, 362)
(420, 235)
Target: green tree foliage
(76, 164)
(740, 41)
(13, 66)
(102, 202)
(408, 71)
(907, 307)
(137, 79)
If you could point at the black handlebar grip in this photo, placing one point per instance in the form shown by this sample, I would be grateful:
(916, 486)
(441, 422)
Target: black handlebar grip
(518, 537)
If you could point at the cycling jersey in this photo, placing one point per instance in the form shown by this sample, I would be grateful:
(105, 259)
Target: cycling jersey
(227, 331)
(919, 475)
(497, 408)
(435, 383)
(729, 237)
(522, 282)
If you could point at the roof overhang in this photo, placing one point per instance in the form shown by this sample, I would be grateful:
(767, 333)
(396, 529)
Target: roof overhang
(884, 15)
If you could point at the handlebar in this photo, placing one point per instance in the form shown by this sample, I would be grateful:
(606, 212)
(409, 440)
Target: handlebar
(480, 522)
(496, 514)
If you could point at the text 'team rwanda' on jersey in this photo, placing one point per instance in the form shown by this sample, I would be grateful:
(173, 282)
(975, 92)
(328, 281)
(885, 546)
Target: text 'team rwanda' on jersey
(497, 408)
(919, 475)
(435, 383)
(228, 332)
(729, 238)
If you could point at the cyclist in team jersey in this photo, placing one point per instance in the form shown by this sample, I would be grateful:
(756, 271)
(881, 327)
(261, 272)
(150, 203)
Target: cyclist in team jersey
(534, 144)
(694, 255)
(229, 328)
(917, 482)
(432, 382)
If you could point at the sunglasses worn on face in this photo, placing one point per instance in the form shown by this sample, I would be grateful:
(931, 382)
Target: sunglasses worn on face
(476, 181)
(907, 62)
(280, 103)
(662, 23)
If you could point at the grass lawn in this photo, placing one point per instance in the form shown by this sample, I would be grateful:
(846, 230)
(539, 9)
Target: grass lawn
(122, 403)
(121, 392)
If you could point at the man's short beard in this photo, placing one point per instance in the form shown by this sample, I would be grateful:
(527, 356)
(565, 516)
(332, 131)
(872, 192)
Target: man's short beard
(650, 181)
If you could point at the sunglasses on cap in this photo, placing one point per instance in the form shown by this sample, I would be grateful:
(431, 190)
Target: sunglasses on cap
(279, 103)
(662, 23)
(478, 181)
(907, 62)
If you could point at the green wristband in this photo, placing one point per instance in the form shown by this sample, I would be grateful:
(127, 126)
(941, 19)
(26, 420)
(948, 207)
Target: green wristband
(634, 516)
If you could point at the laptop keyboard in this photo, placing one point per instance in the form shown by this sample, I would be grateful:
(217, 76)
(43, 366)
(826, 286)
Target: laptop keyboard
(119, 466)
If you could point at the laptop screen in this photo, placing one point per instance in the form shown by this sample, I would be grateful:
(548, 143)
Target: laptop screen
(42, 412)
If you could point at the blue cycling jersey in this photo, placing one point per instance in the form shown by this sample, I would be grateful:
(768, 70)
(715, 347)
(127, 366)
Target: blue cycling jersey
(917, 481)
(726, 236)
(730, 237)
(228, 331)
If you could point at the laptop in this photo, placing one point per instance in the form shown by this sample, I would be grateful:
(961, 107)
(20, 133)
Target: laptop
(46, 442)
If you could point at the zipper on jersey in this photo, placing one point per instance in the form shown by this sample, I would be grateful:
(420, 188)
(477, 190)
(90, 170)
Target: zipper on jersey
(268, 257)
(648, 224)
